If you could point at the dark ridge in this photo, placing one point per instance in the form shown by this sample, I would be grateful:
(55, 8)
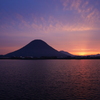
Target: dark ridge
(1, 56)
(36, 48)
(66, 53)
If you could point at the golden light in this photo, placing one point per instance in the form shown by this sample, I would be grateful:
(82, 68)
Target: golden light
(82, 53)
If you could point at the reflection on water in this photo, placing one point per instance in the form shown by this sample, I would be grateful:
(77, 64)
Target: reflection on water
(49, 79)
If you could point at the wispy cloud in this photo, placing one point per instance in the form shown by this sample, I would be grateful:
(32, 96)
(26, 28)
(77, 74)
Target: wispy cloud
(88, 12)
(51, 25)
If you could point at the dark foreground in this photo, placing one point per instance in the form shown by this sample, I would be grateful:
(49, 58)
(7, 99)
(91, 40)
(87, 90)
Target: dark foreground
(40, 58)
(49, 79)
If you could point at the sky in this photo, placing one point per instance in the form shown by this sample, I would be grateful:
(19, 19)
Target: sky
(69, 25)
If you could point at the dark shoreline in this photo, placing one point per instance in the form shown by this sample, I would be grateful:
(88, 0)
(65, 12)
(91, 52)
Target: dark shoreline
(48, 58)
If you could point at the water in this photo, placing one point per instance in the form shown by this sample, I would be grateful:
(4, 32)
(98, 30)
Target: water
(49, 79)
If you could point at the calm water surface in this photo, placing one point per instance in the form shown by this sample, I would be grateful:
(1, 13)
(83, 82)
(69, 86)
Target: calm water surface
(49, 79)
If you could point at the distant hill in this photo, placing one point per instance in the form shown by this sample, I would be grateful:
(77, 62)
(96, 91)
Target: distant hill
(1, 56)
(36, 48)
(66, 53)
(97, 55)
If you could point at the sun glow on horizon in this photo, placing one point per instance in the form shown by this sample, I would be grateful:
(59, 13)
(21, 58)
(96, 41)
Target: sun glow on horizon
(82, 53)
(85, 53)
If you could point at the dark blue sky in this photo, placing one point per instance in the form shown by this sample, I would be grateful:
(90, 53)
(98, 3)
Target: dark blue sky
(70, 25)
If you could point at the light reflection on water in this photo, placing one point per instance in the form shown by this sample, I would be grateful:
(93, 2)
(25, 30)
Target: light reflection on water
(50, 79)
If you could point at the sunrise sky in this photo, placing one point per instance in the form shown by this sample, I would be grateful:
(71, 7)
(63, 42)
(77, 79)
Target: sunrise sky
(69, 25)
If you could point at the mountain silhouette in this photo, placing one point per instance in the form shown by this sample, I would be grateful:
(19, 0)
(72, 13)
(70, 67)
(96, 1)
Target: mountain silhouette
(66, 53)
(1, 56)
(36, 48)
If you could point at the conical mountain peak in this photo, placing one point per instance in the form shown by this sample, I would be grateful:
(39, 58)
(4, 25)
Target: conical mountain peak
(36, 48)
(37, 44)
(37, 41)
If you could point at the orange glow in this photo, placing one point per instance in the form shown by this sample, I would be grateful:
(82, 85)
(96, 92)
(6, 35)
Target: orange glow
(82, 53)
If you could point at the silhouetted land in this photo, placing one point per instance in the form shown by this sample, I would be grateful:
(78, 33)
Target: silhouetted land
(37, 58)
(38, 49)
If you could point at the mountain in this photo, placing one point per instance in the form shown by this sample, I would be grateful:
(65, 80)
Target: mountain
(1, 56)
(36, 48)
(97, 55)
(66, 53)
